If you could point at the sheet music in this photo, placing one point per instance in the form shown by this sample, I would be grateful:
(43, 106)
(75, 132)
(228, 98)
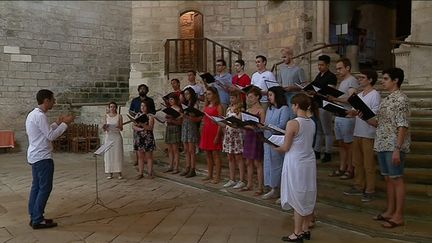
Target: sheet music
(248, 117)
(277, 139)
(159, 116)
(333, 104)
(277, 129)
(104, 147)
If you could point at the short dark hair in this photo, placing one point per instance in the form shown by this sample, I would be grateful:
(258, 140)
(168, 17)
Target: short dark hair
(346, 62)
(324, 58)
(222, 61)
(302, 100)
(263, 58)
(370, 74)
(176, 80)
(192, 71)
(279, 94)
(44, 94)
(143, 86)
(395, 73)
(241, 62)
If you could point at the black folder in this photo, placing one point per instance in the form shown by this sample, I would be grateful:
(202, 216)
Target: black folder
(166, 97)
(247, 88)
(208, 78)
(142, 118)
(171, 112)
(336, 109)
(359, 105)
(191, 111)
(322, 89)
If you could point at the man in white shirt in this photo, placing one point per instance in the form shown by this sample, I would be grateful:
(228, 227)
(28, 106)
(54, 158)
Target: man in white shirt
(40, 134)
(263, 79)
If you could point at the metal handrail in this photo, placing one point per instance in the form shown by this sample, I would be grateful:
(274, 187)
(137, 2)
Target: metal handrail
(196, 48)
(411, 43)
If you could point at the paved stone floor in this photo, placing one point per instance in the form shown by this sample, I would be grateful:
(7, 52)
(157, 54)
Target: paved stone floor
(158, 210)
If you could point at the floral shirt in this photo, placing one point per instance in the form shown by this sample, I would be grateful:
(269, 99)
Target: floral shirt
(393, 113)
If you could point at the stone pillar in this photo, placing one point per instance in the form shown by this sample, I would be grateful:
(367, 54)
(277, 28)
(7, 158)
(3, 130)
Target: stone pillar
(322, 36)
(352, 52)
(322, 22)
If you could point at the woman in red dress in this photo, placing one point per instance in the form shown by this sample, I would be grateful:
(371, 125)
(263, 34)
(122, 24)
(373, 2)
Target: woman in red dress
(211, 136)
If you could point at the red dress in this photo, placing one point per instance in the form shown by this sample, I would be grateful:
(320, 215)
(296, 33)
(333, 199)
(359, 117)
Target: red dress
(209, 130)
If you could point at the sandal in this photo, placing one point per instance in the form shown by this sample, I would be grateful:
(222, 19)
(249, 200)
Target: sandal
(336, 173)
(259, 192)
(346, 176)
(390, 224)
(245, 189)
(299, 238)
(379, 217)
(207, 178)
(175, 172)
(168, 170)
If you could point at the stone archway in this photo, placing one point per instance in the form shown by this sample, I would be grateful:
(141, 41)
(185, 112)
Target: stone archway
(191, 27)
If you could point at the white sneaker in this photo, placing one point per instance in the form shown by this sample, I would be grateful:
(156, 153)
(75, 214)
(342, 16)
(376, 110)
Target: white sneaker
(239, 185)
(278, 201)
(230, 183)
(270, 195)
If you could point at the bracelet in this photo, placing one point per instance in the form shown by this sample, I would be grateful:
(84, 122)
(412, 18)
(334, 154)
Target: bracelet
(398, 147)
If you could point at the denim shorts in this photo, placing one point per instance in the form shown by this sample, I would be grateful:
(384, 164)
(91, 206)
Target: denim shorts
(344, 129)
(387, 167)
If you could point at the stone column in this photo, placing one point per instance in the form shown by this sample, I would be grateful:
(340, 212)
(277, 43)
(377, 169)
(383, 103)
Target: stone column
(322, 22)
(322, 35)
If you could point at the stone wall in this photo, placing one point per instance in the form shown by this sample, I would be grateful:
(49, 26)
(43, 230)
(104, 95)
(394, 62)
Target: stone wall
(254, 27)
(80, 50)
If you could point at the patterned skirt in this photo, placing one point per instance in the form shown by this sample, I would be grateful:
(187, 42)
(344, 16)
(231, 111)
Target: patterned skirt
(145, 141)
(173, 134)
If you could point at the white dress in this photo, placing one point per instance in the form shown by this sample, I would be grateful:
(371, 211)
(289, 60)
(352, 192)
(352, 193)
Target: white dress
(298, 181)
(114, 156)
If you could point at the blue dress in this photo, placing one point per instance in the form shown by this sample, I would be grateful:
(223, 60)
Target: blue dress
(273, 160)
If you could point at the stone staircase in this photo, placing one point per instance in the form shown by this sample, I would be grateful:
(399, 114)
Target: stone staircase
(418, 166)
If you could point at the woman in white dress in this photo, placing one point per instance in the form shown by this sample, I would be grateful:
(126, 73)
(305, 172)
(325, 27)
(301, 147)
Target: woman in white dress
(298, 181)
(112, 127)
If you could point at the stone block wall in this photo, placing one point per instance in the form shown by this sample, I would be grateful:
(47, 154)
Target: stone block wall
(254, 27)
(78, 49)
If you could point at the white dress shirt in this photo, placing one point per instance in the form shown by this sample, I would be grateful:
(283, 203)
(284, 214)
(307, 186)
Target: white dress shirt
(40, 135)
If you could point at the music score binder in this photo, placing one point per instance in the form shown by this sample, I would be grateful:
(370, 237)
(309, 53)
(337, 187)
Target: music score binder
(336, 109)
(359, 105)
(207, 77)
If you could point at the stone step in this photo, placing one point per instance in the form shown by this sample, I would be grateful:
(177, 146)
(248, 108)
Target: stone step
(421, 147)
(421, 135)
(332, 194)
(422, 123)
(413, 176)
(425, 113)
(416, 191)
(418, 161)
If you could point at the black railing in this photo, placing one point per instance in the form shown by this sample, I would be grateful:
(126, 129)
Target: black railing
(199, 54)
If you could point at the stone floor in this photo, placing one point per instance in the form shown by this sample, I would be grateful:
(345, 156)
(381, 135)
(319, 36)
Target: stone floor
(160, 210)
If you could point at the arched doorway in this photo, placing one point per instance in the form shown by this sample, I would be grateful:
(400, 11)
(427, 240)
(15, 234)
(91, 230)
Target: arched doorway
(191, 51)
